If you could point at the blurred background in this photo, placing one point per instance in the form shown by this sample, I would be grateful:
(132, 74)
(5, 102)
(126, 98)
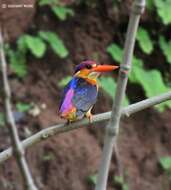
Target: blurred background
(45, 39)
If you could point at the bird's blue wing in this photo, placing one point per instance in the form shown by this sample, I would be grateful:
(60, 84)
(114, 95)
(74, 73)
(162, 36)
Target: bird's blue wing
(85, 95)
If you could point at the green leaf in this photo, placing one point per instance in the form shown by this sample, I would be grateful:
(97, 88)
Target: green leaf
(144, 41)
(166, 48)
(109, 86)
(64, 81)
(165, 162)
(146, 79)
(126, 101)
(120, 181)
(125, 187)
(17, 61)
(163, 10)
(92, 179)
(55, 42)
(23, 107)
(47, 2)
(36, 45)
(21, 45)
(151, 81)
(62, 12)
(115, 51)
(150, 87)
(43, 2)
(137, 64)
(17, 58)
(150, 5)
(2, 119)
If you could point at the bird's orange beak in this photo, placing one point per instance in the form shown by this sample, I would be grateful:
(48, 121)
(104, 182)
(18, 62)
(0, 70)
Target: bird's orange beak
(104, 68)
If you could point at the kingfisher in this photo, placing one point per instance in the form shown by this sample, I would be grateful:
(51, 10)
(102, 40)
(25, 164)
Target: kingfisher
(80, 94)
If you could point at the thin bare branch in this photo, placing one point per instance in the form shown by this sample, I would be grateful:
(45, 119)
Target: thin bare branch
(61, 128)
(113, 126)
(16, 144)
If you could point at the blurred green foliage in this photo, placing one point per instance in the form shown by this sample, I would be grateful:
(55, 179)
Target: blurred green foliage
(2, 119)
(165, 163)
(64, 81)
(144, 40)
(55, 43)
(17, 59)
(37, 46)
(92, 179)
(163, 10)
(166, 48)
(60, 11)
(23, 107)
(34, 44)
(150, 80)
(119, 180)
(108, 84)
(115, 51)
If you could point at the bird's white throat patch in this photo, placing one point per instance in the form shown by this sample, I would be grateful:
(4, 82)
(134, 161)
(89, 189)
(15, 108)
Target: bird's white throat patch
(93, 75)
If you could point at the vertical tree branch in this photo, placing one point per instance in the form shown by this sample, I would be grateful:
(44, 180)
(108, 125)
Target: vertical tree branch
(113, 126)
(16, 144)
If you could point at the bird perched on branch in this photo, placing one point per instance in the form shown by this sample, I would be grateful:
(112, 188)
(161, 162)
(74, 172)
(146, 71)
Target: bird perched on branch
(80, 94)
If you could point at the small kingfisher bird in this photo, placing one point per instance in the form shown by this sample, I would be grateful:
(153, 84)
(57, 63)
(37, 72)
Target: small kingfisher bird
(80, 94)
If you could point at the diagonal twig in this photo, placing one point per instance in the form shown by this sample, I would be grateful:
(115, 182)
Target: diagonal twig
(61, 128)
(113, 126)
(16, 144)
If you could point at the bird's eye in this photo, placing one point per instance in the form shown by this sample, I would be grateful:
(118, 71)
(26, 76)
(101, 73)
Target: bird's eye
(88, 66)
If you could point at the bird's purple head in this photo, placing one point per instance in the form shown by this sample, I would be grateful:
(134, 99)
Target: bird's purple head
(85, 64)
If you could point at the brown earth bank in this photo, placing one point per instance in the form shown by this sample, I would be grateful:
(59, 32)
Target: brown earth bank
(65, 162)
